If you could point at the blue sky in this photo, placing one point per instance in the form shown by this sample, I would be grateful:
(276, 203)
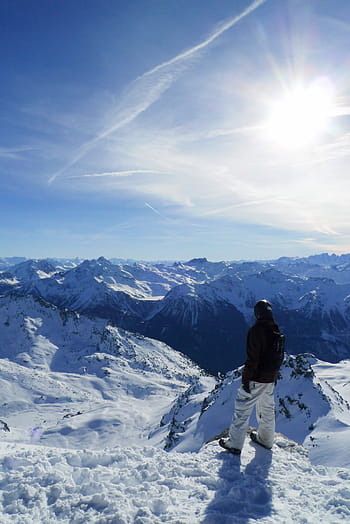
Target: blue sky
(172, 129)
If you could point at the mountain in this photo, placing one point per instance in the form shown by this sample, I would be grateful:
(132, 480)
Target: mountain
(30, 270)
(95, 287)
(101, 425)
(60, 371)
(203, 308)
(209, 321)
(324, 259)
(123, 294)
(333, 267)
(202, 324)
(10, 261)
(311, 405)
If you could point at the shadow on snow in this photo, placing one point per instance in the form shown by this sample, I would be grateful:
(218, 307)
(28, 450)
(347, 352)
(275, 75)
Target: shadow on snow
(243, 494)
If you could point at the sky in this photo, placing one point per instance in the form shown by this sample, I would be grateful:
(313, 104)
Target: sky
(173, 129)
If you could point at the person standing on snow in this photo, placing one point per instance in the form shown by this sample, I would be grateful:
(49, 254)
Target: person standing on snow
(265, 353)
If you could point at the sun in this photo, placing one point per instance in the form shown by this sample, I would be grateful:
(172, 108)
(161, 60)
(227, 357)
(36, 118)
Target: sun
(300, 117)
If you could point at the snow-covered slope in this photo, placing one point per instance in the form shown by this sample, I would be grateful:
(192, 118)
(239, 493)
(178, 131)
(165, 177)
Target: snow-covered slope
(71, 380)
(312, 406)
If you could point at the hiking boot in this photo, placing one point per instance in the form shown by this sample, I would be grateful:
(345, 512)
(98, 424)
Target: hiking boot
(225, 444)
(254, 437)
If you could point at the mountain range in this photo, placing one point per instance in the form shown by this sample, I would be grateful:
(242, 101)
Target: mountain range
(202, 308)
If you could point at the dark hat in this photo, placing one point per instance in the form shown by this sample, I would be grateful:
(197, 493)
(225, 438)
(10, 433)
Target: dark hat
(263, 309)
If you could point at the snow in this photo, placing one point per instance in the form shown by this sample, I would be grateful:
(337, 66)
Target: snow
(145, 485)
(87, 448)
(332, 433)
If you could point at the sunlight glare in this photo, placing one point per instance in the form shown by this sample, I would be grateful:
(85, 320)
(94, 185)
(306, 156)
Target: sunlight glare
(301, 116)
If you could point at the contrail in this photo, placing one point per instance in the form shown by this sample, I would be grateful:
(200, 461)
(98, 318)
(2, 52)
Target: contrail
(209, 40)
(154, 210)
(144, 91)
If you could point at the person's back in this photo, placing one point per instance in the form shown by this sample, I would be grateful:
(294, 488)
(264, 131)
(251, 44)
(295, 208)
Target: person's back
(263, 357)
(265, 351)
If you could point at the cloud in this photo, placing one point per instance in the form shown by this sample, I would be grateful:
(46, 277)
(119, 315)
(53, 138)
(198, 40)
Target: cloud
(149, 87)
(238, 179)
(201, 152)
(14, 152)
(117, 174)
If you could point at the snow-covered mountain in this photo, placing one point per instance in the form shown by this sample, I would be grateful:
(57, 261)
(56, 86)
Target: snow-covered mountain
(203, 308)
(209, 321)
(110, 427)
(57, 364)
(323, 266)
(6, 262)
(312, 407)
(202, 324)
(30, 270)
(123, 294)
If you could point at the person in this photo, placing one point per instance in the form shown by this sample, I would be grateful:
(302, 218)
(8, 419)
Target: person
(265, 352)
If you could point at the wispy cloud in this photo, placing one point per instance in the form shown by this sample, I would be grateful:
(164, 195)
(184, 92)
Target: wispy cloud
(116, 174)
(149, 87)
(14, 152)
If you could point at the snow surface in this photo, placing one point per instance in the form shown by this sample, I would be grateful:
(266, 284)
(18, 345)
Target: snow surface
(145, 485)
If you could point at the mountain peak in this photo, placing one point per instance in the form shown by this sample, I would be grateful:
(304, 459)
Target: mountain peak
(103, 260)
(197, 261)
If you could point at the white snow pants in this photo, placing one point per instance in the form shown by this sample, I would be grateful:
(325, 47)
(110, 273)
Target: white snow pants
(262, 396)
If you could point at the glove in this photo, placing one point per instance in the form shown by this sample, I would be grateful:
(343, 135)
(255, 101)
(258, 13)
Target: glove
(246, 387)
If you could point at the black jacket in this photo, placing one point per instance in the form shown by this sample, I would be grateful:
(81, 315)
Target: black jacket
(257, 365)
